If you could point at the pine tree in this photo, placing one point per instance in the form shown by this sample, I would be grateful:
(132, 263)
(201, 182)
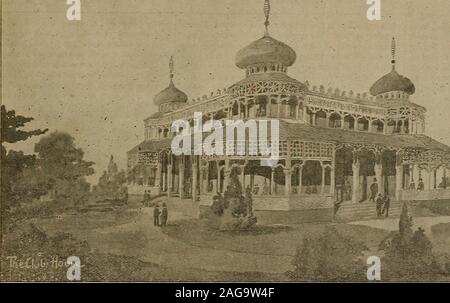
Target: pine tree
(17, 182)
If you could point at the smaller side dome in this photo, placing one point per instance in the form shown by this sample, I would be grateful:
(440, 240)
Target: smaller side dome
(170, 95)
(393, 81)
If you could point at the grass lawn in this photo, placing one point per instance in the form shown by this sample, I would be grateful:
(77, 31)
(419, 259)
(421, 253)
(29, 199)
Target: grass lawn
(127, 247)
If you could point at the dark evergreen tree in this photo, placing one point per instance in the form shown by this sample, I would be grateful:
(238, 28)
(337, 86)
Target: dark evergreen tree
(62, 165)
(17, 182)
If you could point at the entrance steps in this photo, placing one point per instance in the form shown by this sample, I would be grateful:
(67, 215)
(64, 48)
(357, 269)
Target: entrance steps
(366, 210)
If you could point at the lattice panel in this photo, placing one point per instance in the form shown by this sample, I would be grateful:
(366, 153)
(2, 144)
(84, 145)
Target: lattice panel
(311, 149)
(148, 158)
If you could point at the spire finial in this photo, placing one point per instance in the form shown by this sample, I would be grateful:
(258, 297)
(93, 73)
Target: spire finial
(171, 67)
(393, 53)
(267, 13)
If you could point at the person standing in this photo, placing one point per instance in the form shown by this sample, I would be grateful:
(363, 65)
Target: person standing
(156, 213)
(387, 204)
(420, 185)
(379, 204)
(373, 190)
(164, 215)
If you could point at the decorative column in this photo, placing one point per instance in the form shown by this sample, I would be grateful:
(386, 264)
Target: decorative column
(300, 175)
(332, 180)
(287, 181)
(278, 106)
(218, 177)
(398, 181)
(163, 181)
(322, 189)
(158, 176)
(332, 172)
(272, 182)
(379, 176)
(226, 174)
(355, 191)
(181, 176)
(430, 178)
(201, 179)
(169, 180)
(194, 178)
(314, 118)
(435, 178)
(242, 178)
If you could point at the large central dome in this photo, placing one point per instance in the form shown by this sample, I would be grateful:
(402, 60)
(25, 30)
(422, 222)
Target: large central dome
(392, 82)
(265, 50)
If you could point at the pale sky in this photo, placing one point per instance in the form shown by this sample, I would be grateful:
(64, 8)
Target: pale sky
(96, 78)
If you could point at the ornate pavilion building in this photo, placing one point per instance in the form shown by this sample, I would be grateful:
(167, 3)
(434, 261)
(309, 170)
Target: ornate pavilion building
(333, 144)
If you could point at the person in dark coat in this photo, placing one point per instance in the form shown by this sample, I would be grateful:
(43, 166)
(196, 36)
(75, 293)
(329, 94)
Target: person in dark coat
(164, 215)
(420, 185)
(156, 213)
(379, 204)
(373, 190)
(387, 204)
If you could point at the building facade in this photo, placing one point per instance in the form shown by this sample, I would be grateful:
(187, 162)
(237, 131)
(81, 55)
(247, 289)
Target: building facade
(333, 144)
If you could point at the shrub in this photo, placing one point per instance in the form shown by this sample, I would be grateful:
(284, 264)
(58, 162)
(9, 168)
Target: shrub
(235, 209)
(408, 254)
(329, 257)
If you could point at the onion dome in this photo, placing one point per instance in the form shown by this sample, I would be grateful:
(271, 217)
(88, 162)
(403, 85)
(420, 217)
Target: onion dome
(171, 97)
(266, 52)
(393, 81)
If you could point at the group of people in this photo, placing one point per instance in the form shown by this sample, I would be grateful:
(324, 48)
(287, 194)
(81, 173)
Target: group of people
(382, 202)
(382, 205)
(160, 215)
(420, 185)
(445, 183)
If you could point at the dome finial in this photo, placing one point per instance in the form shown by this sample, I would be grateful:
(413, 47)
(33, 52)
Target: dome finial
(171, 68)
(267, 13)
(393, 53)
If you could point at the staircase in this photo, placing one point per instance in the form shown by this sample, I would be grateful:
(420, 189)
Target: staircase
(349, 211)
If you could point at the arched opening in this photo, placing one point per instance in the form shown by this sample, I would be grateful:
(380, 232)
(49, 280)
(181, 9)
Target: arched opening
(321, 119)
(398, 127)
(363, 124)
(312, 177)
(366, 172)
(292, 104)
(344, 173)
(335, 121)
(349, 122)
(235, 109)
(301, 111)
(377, 126)
(261, 106)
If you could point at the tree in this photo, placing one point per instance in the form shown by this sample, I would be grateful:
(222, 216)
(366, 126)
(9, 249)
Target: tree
(408, 254)
(235, 210)
(62, 165)
(17, 181)
(329, 257)
(111, 183)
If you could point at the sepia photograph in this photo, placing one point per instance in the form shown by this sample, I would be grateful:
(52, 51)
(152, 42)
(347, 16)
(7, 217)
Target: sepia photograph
(225, 141)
